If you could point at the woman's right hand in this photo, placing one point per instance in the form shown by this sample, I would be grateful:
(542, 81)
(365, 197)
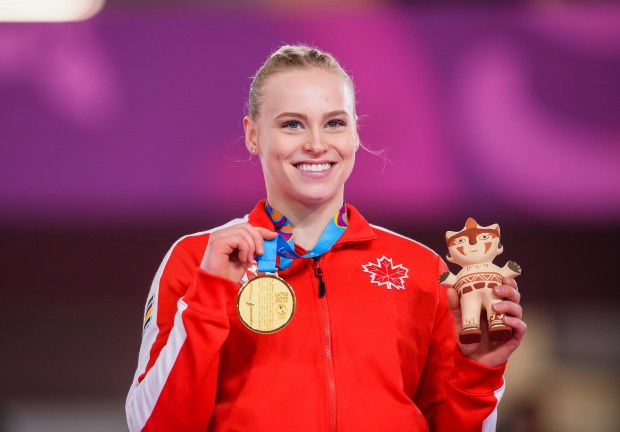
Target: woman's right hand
(231, 249)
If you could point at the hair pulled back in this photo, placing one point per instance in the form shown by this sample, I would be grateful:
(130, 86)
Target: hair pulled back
(291, 57)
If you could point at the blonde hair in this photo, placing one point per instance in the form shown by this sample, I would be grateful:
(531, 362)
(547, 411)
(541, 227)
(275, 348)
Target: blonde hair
(291, 57)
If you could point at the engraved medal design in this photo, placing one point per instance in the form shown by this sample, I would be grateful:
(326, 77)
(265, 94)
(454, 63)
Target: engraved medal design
(266, 303)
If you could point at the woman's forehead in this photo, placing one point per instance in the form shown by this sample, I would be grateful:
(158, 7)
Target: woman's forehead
(301, 90)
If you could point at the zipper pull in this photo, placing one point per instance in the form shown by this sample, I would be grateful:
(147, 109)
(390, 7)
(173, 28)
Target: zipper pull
(319, 274)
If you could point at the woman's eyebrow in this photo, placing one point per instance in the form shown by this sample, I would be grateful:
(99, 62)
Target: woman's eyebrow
(336, 113)
(305, 117)
(292, 114)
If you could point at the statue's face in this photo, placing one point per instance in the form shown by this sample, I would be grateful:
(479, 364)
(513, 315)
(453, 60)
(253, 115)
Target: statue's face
(474, 248)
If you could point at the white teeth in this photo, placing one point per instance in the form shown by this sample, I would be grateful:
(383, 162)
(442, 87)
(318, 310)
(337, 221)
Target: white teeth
(314, 167)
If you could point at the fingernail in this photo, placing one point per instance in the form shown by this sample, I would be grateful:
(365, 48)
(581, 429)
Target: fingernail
(497, 307)
(499, 289)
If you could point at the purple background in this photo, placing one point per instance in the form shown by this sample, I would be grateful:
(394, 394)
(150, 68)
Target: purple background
(494, 115)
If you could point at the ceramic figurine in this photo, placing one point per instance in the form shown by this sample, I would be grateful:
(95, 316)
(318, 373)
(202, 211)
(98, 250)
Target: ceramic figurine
(474, 248)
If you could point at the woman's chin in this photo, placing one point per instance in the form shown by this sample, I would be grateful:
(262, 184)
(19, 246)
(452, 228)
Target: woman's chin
(316, 197)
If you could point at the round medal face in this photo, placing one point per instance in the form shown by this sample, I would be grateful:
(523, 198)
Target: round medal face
(266, 304)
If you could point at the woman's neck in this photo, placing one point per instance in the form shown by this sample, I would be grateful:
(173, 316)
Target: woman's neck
(307, 221)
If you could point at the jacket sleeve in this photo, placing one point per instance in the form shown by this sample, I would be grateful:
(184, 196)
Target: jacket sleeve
(186, 323)
(455, 392)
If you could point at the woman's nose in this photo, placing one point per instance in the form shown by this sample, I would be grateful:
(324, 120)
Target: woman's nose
(315, 143)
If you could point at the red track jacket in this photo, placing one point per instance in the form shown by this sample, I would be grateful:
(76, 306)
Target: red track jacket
(376, 353)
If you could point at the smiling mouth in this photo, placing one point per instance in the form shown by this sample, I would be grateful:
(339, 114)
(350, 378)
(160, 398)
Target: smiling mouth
(313, 167)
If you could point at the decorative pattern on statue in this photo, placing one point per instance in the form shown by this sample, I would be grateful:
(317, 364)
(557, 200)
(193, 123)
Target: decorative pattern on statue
(474, 248)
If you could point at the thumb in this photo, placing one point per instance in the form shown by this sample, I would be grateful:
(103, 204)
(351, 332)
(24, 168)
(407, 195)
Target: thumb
(267, 234)
(453, 299)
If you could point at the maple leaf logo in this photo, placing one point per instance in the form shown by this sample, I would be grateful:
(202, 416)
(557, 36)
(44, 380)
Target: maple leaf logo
(250, 272)
(253, 269)
(384, 272)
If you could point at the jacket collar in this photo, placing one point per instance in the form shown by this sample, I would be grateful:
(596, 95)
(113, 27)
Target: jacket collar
(359, 230)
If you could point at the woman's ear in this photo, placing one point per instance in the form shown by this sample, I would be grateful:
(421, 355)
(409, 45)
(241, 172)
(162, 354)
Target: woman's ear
(249, 127)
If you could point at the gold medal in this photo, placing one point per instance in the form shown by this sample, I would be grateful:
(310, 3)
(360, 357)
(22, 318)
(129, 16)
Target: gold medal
(266, 303)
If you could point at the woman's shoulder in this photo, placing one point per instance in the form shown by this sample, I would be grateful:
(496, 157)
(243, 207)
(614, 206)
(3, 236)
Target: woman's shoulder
(401, 241)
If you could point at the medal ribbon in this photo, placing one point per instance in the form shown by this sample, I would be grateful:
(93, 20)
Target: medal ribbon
(284, 246)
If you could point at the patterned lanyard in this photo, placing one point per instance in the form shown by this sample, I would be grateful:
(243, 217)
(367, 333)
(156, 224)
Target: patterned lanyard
(284, 246)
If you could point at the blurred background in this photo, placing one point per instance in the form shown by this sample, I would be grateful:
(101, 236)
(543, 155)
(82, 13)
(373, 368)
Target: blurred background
(122, 133)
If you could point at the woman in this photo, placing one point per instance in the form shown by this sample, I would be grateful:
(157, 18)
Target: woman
(371, 345)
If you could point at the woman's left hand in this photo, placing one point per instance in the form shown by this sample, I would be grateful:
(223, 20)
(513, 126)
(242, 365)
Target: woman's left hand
(487, 352)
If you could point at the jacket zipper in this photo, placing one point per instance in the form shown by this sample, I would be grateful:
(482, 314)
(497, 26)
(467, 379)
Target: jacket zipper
(319, 275)
(329, 355)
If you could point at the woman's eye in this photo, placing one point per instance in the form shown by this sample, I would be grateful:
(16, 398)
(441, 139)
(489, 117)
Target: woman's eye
(292, 124)
(335, 123)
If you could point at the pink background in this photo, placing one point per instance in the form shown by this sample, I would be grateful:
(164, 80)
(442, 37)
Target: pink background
(502, 115)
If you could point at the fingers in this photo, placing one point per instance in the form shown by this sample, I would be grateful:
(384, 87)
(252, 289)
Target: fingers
(508, 291)
(511, 296)
(265, 233)
(231, 248)
(453, 299)
(247, 244)
(260, 234)
(509, 308)
(455, 307)
(518, 327)
(511, 282)
(252, 241)
(244, 239)
(256, 240)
